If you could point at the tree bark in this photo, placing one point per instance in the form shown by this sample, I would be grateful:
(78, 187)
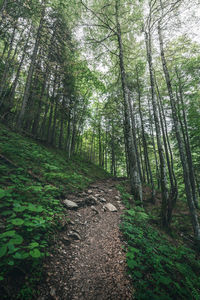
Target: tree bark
(163, 175)
(136, 187)
(173, 183)
(144, 142)
(187, 142)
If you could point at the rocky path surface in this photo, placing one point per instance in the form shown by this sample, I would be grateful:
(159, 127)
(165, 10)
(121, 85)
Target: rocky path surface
(87, 261)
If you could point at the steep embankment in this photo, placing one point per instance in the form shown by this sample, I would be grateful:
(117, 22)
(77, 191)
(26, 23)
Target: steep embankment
(33, 181)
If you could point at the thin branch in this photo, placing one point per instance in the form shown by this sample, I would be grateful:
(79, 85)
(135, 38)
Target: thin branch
(98, 17)
(92, 40)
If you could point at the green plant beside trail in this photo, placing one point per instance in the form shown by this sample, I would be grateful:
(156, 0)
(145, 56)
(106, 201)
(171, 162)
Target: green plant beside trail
(34, 180)
(159, 270)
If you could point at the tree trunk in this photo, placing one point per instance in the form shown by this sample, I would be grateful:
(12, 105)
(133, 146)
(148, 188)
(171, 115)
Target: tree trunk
(100, 146)
(61, 125)
(73, 139)
(163, 175)
(133, 127)
(14, 85)
(30, 72)
(68, 140)
(52, 139)
(144, 142)
(136, 187)
(51, 108)
(187, 144)
(154, 146)
(173, 183)
(6, 66)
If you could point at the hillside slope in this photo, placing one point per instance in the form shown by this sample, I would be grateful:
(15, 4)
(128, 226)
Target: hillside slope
(33, 181)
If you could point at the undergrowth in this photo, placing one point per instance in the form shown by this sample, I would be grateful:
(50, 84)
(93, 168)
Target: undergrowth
(159, 270)
(34, 179)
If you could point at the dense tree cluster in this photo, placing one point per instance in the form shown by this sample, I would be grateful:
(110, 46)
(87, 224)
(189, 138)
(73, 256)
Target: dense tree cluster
(136, 114)
(157, 91)
(42, 76)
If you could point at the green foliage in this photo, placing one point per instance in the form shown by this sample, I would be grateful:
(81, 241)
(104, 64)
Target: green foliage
(159, 269)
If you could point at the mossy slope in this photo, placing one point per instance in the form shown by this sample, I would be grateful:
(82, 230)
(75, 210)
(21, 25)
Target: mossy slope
(33, 181)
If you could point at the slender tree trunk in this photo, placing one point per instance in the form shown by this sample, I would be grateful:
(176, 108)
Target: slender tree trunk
(3, 91)
(68, 140)
(92, 145)
(136, 186)
(14, 85)
(133, 127)
(154, 146)
(61, 125)
(30, 72)
(100, 146)
(163, 175)
(52, 139)
(51, 109)
(4, 50)
(28, 118)
(106, 151)
(73, 139)
(142, 161)
(6, 66)
(47, 105)
(173, 183)
(187, 144)
(144, 142)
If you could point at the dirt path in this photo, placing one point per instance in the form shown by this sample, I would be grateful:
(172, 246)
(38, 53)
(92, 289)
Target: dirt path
(88, 262)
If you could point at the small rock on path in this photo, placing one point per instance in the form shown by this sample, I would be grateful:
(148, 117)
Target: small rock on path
(70, 204)
(90, 265)
(110, 207)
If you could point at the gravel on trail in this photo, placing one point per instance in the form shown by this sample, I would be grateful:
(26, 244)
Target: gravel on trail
(87, 261)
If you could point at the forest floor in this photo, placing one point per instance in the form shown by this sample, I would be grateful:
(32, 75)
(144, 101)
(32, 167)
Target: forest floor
(87, 260)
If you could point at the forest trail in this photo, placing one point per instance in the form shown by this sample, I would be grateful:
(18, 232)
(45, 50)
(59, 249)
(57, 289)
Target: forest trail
(87, 261)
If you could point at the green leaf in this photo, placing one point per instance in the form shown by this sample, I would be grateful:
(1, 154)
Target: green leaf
(19, 208)
(29, 224)
(131, 212)
(17, 221)
(4, 205)
(35, 253)
(131, 264)
(17, 239)
(8, 234)
(11, 248)
(1, 278)
(35, 208)
(165, 280)
(3, 250)
(21, 255)
(33, 245)
(6, 212)
(138, 274)
(2, 193)
(130, 255)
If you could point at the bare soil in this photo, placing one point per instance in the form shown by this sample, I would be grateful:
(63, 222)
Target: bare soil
(87, 261)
